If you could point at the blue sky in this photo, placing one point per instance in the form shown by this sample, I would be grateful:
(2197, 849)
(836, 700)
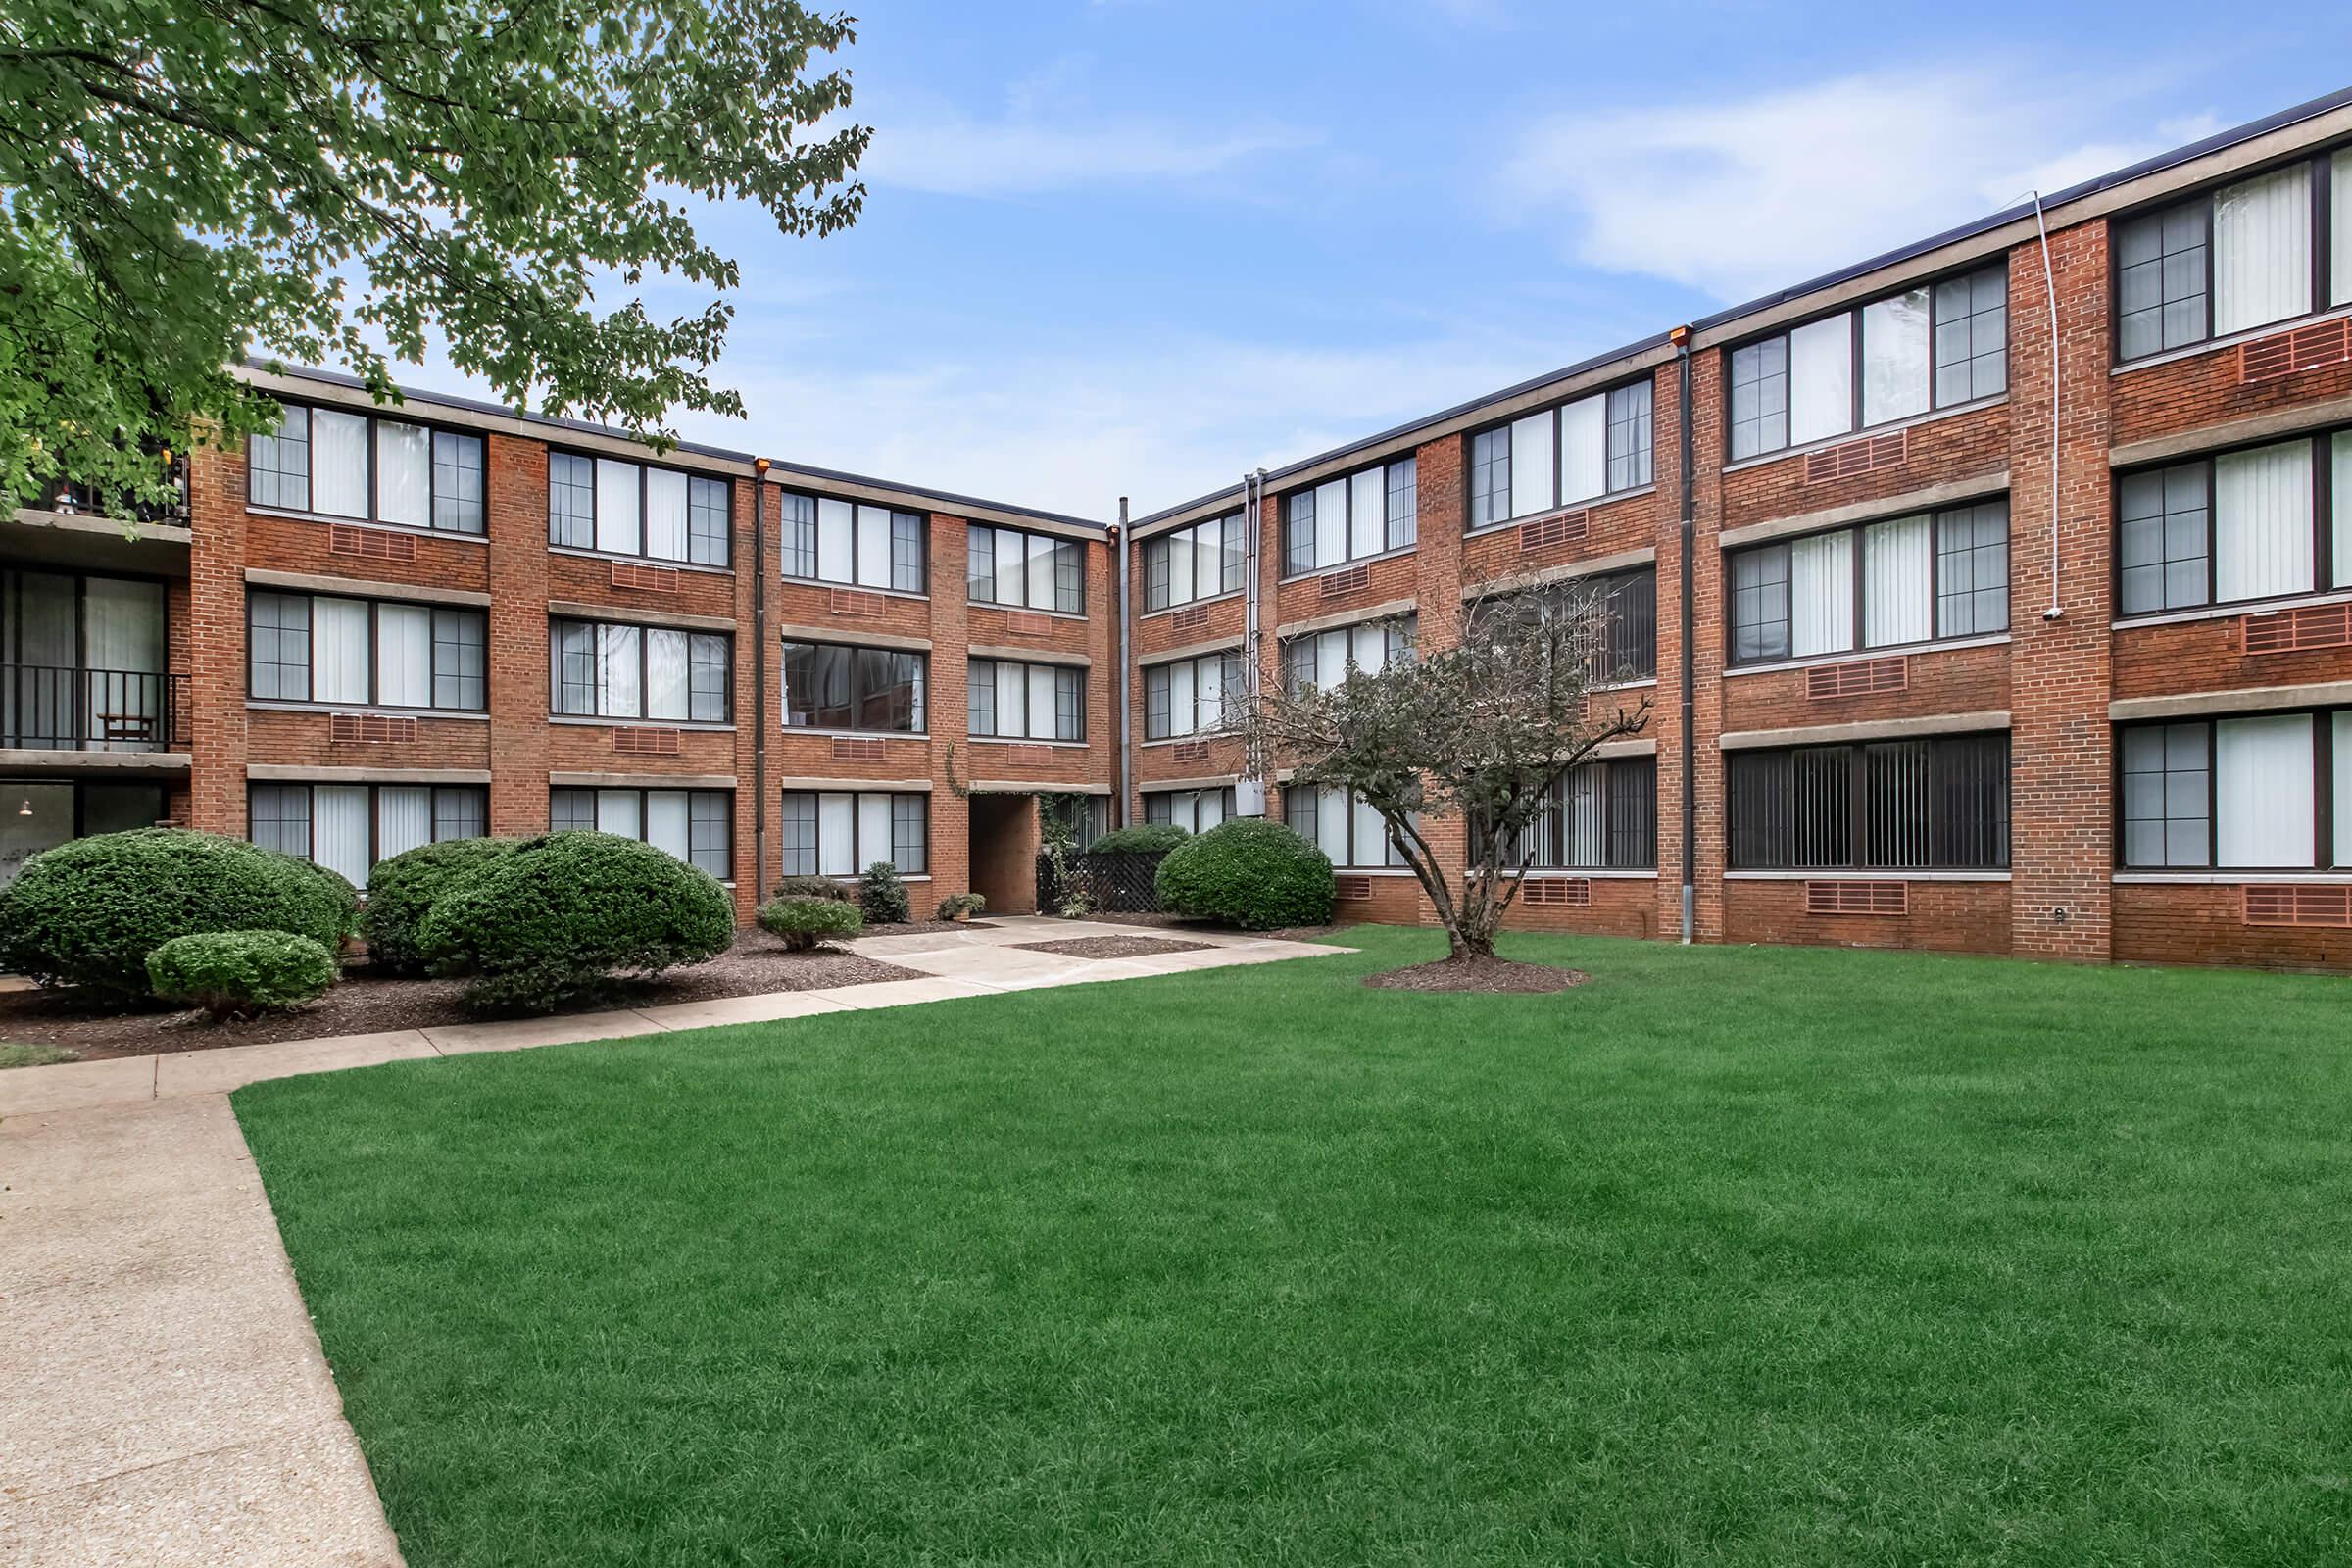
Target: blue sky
(1136, 246)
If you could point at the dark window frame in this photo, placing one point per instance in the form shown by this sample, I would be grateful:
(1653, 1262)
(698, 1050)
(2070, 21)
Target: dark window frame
(2324, 763)
(792, 551)
(1024, 665)
(1629, 845)
(1306, 800)
(645, 672)
(375, 817)
(1390, 544)
(645, 470)
(1500, 469)
(1165, 801)
(2323, 524)
(1857, 645)
(1840, 773)
(860, 696)
(1232, 566)
(1403, 637)
(1231, 675)
(437, 617)
(644, 793)
(434, 432)
(898, 800)
(1072, 550)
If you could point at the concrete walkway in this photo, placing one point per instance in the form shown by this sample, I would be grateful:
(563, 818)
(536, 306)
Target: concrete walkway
(163, 1398)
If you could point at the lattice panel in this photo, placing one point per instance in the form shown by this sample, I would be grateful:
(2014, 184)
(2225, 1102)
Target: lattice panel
(1027, 623)
(1189, 752)
(644, 579)
(847, 749)
(858, 602)
(1549, 533)
(1192, 620)
(1335, 584)
(1354, 889)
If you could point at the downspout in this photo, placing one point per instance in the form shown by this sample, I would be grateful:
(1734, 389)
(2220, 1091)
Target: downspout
(1118, 542)
(1253, 505)
(2049, 283)
(759, 684)
(1689, 522)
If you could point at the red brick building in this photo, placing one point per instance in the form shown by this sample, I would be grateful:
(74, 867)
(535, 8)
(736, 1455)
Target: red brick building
(1948, 640)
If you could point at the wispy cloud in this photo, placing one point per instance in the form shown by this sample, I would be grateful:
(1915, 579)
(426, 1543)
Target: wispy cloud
(1736, 197)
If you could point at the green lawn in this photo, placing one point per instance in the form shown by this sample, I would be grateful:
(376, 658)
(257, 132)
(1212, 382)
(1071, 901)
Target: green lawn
(1755, 1256)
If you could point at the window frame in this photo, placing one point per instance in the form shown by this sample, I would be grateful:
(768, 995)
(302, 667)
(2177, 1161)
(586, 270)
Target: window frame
(1858, 808)
(1401, 636)
(859, 859)
(1387, 470)
(645, 470)
(787, 549)
(2322, 443)
(372, 417)
(375, 818)
(1059, 542)
(1228, 797)
(1226, 659)
(645, 672)
(1555, 811)
(1510, 456)
(1857, 646)
(2324, 826)
(857, 694)
(996, 685)
(309, 669)
(1857, 373)
(2320, 163)
(1390, 858)
(1164, 542)
(645, 814)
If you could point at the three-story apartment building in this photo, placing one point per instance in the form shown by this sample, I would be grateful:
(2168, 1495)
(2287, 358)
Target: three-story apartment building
(1993, 594)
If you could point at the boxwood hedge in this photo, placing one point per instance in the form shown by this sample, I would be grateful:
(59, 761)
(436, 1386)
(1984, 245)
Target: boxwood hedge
(1250, 873)
(233, 974)
(402, 890)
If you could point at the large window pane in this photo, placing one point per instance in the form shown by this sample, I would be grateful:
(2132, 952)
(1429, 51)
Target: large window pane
(1897, 568)
(665, 673)
(1532, 484)
(2262, 250)
(404, 644)
(666, 513)
(1631, 436)
(2262, 787)
(2262, 521)
(1821, 594)
(339, 830)
(2340, 489)
(339, 638)
(1894, 357)
(619, 529)
(1367, 494)
(1041, 572)
(404, 473)
(2160, 279)
(1821, 380)
(620, 654)
(339, 463)
(836, 540)
(873, 546)
(1586, 448)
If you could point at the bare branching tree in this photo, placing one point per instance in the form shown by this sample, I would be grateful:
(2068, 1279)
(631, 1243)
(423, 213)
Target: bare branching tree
(1477, 733)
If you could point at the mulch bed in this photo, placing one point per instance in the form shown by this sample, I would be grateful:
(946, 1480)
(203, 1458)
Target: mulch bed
(366, 1002)
(1492, 976)
(1112, 947)
(912, 928)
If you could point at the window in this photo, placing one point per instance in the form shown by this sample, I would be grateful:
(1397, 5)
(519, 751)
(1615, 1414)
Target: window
(1196, 563)
(1085, 818)
(1581, 451)
(1323, 659)
(1188, 696)
(617, 508)
(2245, 255)
(606, 671)
(697, 826)
(834, 686)
(2270, 792)
(1367, 512)
(1931, 346)
(348, 828)
(1338, 822)
(854, 543)
(1601, 816)
(1024, 570)
(1034, 701)
(1923, 804)
(1911, 580)
(2255, 523)
(373, 470)
(840, 833)
(306, 648)
(1193, 811)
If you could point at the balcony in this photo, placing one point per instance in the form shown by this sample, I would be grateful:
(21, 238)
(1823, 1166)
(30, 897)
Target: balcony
(47, 708)
(64, 499)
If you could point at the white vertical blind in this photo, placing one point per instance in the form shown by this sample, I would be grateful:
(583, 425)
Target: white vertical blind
(1821, 380)
(1897, 589)
(404, 654)
(1208, 558)
(339, 830)
(665, 821)
(2262, 250)
(616, 660)
(2341, 489)
(2344, 768)
(616, 812)
(1012, 701)
(123, 623)
(2262, 521)
(338, 649)
(404, 472)
(616, 506)
(1041, 572)
(1180, 568)
(664, 674)
(1330, 823)
(1585, 448)
(2263, 789)
(1371, 835)
(873, 830)
(1894, 357)
(1180, 698)
(1013, 557)
(1531, 465)
(1208, 695)
(338, 464)
(1041, 702)
(834, 530)
(873, 546)
(1368, 500)
(836, 829)
(1370, 647)
(1331, 524)
(666, 513)
(1331, 660)
(1821, 595)
(1584, 817)
(1208, 809)
(404, 818)
(2339, 229)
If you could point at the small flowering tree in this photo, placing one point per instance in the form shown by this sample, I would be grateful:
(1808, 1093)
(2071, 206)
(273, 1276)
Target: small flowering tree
(1477, 732)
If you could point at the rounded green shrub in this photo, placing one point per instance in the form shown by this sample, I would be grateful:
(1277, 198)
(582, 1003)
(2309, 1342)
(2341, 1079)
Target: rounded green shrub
(803, 922)
(961, 905)
(402, 891)
(1142, 837)
(89, 912)
(239, 974)
(816, 887)
(556, 918)
(1249, 872)
(883, 897)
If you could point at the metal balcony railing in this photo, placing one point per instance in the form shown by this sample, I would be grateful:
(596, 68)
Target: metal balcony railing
(84, 501)
(54, 708)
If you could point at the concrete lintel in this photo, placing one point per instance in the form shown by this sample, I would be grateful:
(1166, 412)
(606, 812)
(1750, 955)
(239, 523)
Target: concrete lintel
(1035, 786)
(1205, 781)
(1879, 729)
(68, 761)
(2300, 420)
(794, 631)
(1216, 645)
(632, 614)
(1924, 499)
(641, 781)
(310, 582)
(1030, 655)
(1568, 571)
(920, 786)
(1387, 609)
(2247, 700)
(295, 774)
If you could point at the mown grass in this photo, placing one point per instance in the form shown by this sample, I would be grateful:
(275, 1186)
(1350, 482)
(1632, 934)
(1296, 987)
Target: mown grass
(25, 1053)
(1734, 1257)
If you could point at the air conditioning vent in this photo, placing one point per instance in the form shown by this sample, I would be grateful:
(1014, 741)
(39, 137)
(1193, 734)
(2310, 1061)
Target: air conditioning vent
(1549, 533)
(1849, 457)
(1189, 752)
(1192, 620)
(845, 750)
(369, 729)
(631, 740)
(1857, 898)
(2298, 630)
(1352, 888)
(2299, 904)
(858, 602)
(644, 579)
(1858, 679)
(2307, 348)
(369, 544)
(1335, 584)
(1027, 623)
(1559, 892)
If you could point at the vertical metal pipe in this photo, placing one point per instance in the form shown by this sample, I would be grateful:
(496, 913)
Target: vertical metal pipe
(759, 682)
(1689, 522)
(1125, 677)
(2049, 284)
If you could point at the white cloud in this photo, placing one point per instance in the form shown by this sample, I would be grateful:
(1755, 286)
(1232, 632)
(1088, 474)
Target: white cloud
(1739, 197)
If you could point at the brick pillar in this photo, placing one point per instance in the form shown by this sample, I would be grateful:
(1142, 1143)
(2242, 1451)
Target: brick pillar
(2061, 767)
(216, 641)
(517, 530)
(947, 706)
(1442, 516)
(754, 502)
(1707, 657)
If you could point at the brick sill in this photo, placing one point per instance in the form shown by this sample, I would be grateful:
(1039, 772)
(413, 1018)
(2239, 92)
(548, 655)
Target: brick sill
(1190, 604)
(1342, 566)
(272, 705)
(1891, 651)
(410, 530)
(1487, 530)
(1866, 876)
(2214, 345)
(1932, 416)
(660, 563)
(2228, 878)
(2230, 611)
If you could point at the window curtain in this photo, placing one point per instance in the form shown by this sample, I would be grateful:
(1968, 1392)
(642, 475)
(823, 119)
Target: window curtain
(1041, 702)
(616, 812)
(1208, 695)
(1821, 595)
(1331, 660)
(1531, 465)
(1180, 698)
(339, 826)
(2262, 250)
(1331, 524)
(404, 473)
(1583, 449)
(1369, 646)
(1012, 701)
(1821, 380)
(1330, 823)
(1898, 601)
(339, 464)
(404, 644)
(2339, 231)
(1368, 528)
(404, 818)
(1181, 557)
(617, 508)
(666, 513)
(1894, 357)
(2261, 524)
(338, 650)
(122, 631)
(1584, 848)
(617, 686)
(1371, 834)
(835, 530)
(1038, 553)
(2341, 489)
(2263, 786)
(873, 546)
(873, 830)
(836, 835)
(664, 674)
(2344, 772)
(666, 822)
